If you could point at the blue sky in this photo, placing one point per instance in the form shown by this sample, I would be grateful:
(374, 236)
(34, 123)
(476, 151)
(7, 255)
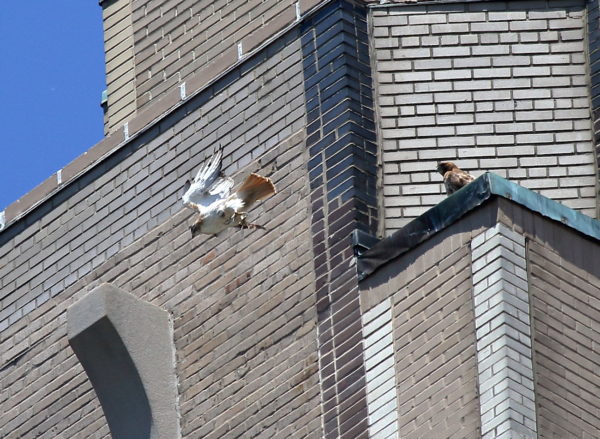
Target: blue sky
(52, 77)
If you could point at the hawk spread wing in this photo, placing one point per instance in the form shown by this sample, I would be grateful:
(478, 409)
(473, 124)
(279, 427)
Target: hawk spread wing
(454, 177)
(208, 185)
(218, 208)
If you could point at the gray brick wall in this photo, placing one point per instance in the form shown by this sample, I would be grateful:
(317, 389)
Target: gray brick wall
(436, 362)
(175, 40)
(434, 341)
(124, 223)
(565, 317)
(160, 52)
(506, 312)
(121, 205)
(493, 86)
(248, 329)
(564, 286)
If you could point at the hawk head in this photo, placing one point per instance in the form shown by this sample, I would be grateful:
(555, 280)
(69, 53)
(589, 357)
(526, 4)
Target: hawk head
(444, 167)
(195, 228)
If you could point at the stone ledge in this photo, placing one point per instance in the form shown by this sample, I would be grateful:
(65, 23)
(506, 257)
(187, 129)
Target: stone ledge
(126, 347)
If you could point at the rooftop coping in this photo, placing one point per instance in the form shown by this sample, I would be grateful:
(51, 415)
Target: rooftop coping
(459, 204)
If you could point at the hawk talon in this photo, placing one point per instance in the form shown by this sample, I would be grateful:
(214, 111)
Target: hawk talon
(246, 225)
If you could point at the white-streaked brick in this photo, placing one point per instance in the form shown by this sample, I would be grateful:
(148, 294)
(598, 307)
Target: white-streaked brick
(380, 374)
(503, 333)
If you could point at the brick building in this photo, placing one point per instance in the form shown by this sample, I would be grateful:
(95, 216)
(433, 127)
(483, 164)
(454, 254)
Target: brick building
(372, 305)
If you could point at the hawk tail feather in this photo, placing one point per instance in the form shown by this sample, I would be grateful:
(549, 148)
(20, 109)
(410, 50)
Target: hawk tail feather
(255, 187)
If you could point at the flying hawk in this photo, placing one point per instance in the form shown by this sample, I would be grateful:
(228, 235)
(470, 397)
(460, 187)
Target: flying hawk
(454, 177)
(210, 195)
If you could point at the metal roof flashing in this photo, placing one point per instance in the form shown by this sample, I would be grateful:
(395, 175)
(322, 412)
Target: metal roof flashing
(459, 204)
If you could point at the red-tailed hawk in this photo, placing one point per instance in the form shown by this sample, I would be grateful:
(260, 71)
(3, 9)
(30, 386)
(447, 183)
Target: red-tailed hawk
(454, 177)
(210, 195)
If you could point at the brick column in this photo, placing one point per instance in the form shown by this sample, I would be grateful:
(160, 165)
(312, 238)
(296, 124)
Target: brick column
(342, 172)
(502, 321)
(120, 64)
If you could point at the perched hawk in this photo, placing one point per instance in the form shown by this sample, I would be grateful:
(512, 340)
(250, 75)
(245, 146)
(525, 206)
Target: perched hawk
(210, 195)
(454, 177)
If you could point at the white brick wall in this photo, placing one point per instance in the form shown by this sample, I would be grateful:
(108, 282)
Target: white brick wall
(382, 402)
(503, 330)
(494, 86)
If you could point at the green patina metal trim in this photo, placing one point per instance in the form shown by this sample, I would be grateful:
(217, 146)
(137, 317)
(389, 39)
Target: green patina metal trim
(544, 206)
(460, 203)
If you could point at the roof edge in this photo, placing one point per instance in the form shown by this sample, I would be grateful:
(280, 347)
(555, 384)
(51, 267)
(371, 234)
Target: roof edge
(459, 204)
(544, 206)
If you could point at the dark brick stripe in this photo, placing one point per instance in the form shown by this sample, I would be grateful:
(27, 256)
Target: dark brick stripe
(342, 171)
